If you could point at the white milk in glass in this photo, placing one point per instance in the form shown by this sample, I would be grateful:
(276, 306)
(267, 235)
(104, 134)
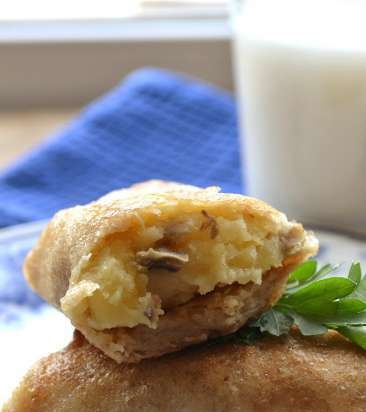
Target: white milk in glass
(301, 77)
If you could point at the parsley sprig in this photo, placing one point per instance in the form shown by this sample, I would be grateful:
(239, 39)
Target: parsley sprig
(316, 300)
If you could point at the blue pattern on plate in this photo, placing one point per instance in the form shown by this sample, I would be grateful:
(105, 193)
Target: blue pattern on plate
(13, 288)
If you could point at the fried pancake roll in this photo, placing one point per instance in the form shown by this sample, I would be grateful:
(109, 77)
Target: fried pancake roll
(151, 269)
(277, 374)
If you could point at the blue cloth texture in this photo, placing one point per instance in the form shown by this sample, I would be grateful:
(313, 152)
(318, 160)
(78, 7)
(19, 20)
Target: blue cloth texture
(154, 125)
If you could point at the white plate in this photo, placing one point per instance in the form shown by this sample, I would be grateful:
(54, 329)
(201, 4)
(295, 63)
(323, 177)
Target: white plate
(30, 329)
(27, 331)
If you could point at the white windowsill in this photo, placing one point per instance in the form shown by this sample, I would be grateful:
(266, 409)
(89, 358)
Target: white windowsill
(63, 63)
(115, 30)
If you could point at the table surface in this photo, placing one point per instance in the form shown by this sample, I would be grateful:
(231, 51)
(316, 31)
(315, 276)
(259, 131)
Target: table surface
(22, 130)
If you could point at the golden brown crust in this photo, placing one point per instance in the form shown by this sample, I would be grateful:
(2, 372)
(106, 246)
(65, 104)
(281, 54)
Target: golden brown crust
(75, 233)
(287, 374)
(218, 313)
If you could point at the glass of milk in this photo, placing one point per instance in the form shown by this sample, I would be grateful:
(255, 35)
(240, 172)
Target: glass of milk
(301, 81)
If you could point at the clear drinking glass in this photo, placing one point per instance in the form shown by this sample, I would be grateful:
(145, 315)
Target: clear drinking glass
(301, 82)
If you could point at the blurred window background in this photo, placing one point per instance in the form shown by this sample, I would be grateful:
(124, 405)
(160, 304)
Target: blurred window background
(57, 57)
(108, 9)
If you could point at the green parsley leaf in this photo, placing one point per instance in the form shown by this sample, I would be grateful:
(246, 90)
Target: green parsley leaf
(360, 291)
(353, 319)
(307, 326)
(322, 273)
(274, 322)
(316, 308)
(325, 270)
(349, 306)
(327, 289)
(355, 272)
(316, 301)
(303, 272)
(356, 334)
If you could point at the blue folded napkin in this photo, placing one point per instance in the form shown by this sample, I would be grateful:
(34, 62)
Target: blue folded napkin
(154, 125)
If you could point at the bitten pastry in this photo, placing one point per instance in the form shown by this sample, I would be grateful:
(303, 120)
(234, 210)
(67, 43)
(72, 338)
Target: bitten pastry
(152, 269)
(286, 374)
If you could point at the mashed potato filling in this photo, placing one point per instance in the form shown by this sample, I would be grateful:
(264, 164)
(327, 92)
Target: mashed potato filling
(135, 276)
